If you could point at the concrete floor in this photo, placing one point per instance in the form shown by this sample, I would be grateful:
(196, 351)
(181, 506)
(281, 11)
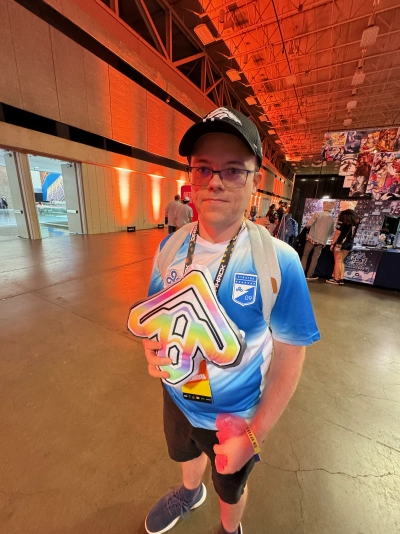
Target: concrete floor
(81, 445)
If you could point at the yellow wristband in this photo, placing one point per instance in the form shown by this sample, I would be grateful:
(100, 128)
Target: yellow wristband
(253, 440)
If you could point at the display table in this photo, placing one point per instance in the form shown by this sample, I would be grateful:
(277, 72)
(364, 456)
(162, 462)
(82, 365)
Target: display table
(369, 266)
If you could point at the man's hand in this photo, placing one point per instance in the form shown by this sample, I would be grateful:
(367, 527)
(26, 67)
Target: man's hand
(151, 349)
(238, 450)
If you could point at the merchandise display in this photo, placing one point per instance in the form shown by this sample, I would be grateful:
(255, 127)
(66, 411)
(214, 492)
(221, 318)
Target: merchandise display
(374, 259)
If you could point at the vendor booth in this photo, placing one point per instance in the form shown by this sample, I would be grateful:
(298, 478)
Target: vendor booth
(375, 258)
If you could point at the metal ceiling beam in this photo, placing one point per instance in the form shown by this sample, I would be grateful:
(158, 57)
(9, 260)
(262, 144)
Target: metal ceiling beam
(324, 29)
(339, 64)
(335, 81)
(188, 59)
(306, 54)
(272, 20)
(145, 14)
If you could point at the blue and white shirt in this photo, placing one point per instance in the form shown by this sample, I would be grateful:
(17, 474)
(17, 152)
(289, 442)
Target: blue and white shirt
(237, 390)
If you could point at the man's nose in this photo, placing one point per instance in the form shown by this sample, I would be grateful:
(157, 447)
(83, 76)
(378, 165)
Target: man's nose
(216, 182)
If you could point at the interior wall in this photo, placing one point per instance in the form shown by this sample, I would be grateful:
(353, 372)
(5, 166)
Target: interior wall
(47, 73)
(4, 186)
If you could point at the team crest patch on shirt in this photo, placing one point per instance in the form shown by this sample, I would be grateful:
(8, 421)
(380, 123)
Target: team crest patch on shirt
(244, 288)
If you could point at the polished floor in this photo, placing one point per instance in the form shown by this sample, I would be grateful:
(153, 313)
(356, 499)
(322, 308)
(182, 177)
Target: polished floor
(81, 444)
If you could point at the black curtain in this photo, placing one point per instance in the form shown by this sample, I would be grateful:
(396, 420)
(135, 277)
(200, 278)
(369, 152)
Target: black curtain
(315, 187)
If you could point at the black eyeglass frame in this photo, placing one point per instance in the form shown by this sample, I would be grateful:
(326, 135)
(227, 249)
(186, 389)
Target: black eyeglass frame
(189, 170)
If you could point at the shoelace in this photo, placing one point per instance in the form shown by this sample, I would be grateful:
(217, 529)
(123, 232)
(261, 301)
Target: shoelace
(175, 500)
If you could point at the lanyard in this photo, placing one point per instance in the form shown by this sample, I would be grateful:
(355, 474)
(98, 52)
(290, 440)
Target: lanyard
(225, 258)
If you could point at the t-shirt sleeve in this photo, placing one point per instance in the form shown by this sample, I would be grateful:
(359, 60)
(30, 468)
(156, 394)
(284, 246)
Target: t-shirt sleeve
(156, 282)
(292, 318)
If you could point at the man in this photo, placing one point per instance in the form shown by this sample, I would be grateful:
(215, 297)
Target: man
(225, 155)
(321, 227)
(184, 214)
(170, 214)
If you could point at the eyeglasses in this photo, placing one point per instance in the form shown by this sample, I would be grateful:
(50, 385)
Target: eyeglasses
(231, 178)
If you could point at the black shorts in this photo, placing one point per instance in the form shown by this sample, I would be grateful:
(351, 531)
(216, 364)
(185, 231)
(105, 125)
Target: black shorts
(186, 442)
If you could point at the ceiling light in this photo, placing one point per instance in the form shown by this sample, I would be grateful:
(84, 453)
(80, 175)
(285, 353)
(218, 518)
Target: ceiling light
(233, 75)
(358, 78)
(369, 36)
(347, 122)
(263, 118)
(272, 132)
(360, 63)
(228, 26)
(204, 34)
(351, 104)
(291, 79)
(251, 101)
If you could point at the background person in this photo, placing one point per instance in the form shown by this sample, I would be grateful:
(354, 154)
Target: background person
(171, 212)
(260, 387)
(343, 240)
(184, 214)
(253, 213)
(272, 217)
(321, 226)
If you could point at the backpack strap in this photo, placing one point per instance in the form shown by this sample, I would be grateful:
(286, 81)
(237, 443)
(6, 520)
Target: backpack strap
(266, 264)
(264, 255)
(171, 247)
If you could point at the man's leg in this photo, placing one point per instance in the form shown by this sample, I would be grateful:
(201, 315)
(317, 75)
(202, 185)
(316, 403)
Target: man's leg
(307, 249)
(231, 514)
(192, 471)
(314, 259)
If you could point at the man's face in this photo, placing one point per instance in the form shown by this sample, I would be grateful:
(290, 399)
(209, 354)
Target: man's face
(218, 206)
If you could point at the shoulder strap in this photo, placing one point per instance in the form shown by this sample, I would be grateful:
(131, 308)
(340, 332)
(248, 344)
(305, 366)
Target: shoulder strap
(266, 263)
(171, 247)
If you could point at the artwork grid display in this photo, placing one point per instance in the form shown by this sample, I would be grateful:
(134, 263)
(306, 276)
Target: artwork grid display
(355, 149)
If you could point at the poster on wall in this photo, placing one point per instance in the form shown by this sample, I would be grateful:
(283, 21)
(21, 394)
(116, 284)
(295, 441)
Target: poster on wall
(361, 174)
(388, 140)
(361, 265)
(348, 166)
(384, 180)
(369, 141)
(395, 208)
(334, 144)
(332, 153)
(353, 141)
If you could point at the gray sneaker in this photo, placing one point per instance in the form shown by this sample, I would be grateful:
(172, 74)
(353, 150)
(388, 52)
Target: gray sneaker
(166, 513)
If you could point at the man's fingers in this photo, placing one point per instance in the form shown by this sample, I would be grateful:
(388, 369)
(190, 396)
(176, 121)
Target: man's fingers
(150, 344)
(156, 373)
(155, 360)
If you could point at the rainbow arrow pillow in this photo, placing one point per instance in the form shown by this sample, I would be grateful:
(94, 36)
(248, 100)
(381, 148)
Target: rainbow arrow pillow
(191, 324)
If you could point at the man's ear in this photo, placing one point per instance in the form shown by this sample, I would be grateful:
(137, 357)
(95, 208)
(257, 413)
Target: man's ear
(256, 181)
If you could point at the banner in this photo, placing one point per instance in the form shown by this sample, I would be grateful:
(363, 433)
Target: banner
(361, 265)
(384, 180)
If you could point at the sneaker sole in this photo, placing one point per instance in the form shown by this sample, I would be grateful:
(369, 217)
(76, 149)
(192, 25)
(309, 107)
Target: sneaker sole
(174, 522)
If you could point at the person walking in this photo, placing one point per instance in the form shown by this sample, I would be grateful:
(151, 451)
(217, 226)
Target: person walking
(288, 229)
(272, 217)
(170, 214)
(321, 227)
(184, 214)
(343, 240)
(259, 388)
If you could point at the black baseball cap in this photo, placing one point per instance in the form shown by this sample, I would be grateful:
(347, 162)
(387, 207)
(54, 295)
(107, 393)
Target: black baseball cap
(223, 120)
